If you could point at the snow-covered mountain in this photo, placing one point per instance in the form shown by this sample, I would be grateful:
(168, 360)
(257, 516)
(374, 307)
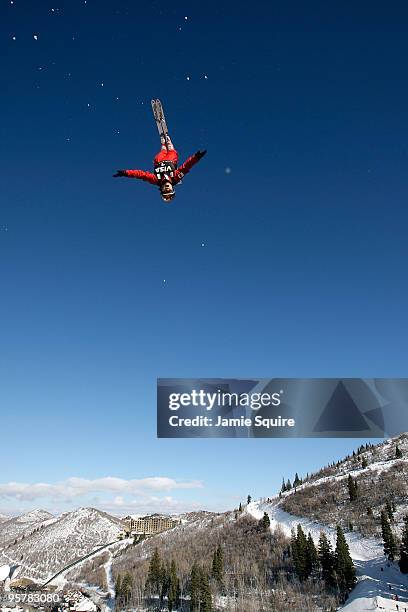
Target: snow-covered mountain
(374, 574)
(23, 525)
(34, 516)
(47, 544)
(381, 474)
(39, 544)
(323, 501)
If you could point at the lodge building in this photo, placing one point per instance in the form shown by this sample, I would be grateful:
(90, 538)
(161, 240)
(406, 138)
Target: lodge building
(149, 525)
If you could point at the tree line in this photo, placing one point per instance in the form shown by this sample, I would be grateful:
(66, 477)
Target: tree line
(335, 567)
(163, 583)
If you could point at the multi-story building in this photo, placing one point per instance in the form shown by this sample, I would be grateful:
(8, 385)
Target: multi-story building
(149, 525)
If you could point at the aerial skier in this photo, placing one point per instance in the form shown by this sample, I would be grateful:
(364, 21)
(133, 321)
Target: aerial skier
(166, 173)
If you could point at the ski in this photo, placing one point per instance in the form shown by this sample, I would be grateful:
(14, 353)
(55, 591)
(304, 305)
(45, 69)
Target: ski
(160, 113)
(155, 115)
(159, 117)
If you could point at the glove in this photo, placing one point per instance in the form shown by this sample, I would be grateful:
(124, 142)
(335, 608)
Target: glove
(201, 154)
(120, 173)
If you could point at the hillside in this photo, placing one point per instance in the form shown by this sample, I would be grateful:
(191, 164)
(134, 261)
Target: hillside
(259, 569)
(44, 547)
(21, 526)
(258, 564)
(379, 475)
(378, 581)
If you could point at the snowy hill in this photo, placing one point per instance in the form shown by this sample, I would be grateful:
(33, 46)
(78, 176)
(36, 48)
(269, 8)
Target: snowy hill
(323, 501)
(373, 590)
(20, 526)
(34, 516)
(48, 545)
(380, 476)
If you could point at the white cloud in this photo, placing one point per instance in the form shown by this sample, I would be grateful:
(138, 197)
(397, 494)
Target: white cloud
(76, 487)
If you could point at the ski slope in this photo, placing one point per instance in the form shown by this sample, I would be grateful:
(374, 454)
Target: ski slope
(375, 588)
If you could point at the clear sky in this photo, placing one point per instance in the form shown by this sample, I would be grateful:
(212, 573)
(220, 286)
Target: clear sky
(283, 254)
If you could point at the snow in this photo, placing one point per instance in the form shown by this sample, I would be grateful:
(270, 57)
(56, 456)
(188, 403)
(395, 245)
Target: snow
(34, 516)
(86, 605)
(4, 572)
(109, 576)
(377, 466)
(372, 591)
(380, 459)
(42, 547)
(360, 548)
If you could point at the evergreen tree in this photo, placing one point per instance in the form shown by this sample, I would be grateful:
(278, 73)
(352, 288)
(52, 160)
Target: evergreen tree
(124, 594)
(249, 498)
(218, 565)
(164, 581)
(390, 546)
(398, 452)
(388, 509)
(344, 567)
(265, 521)
(326, 559)
(288, 485)
(195, 585)
(403, 562)
(240, 507)
(118, 585)
(364, 463)
(352, 488)
(205, 592)
(312, 556)
(300, 555)
(173, 588)
(283, 487)
(296, 481)
(155, 574)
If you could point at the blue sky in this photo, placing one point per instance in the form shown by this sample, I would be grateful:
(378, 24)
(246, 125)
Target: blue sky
(104, 288)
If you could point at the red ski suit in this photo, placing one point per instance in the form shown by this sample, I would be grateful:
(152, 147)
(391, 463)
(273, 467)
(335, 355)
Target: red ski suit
(163, 156)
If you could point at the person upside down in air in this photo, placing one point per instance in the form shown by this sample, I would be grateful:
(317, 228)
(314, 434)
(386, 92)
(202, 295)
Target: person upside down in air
(166, 173)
